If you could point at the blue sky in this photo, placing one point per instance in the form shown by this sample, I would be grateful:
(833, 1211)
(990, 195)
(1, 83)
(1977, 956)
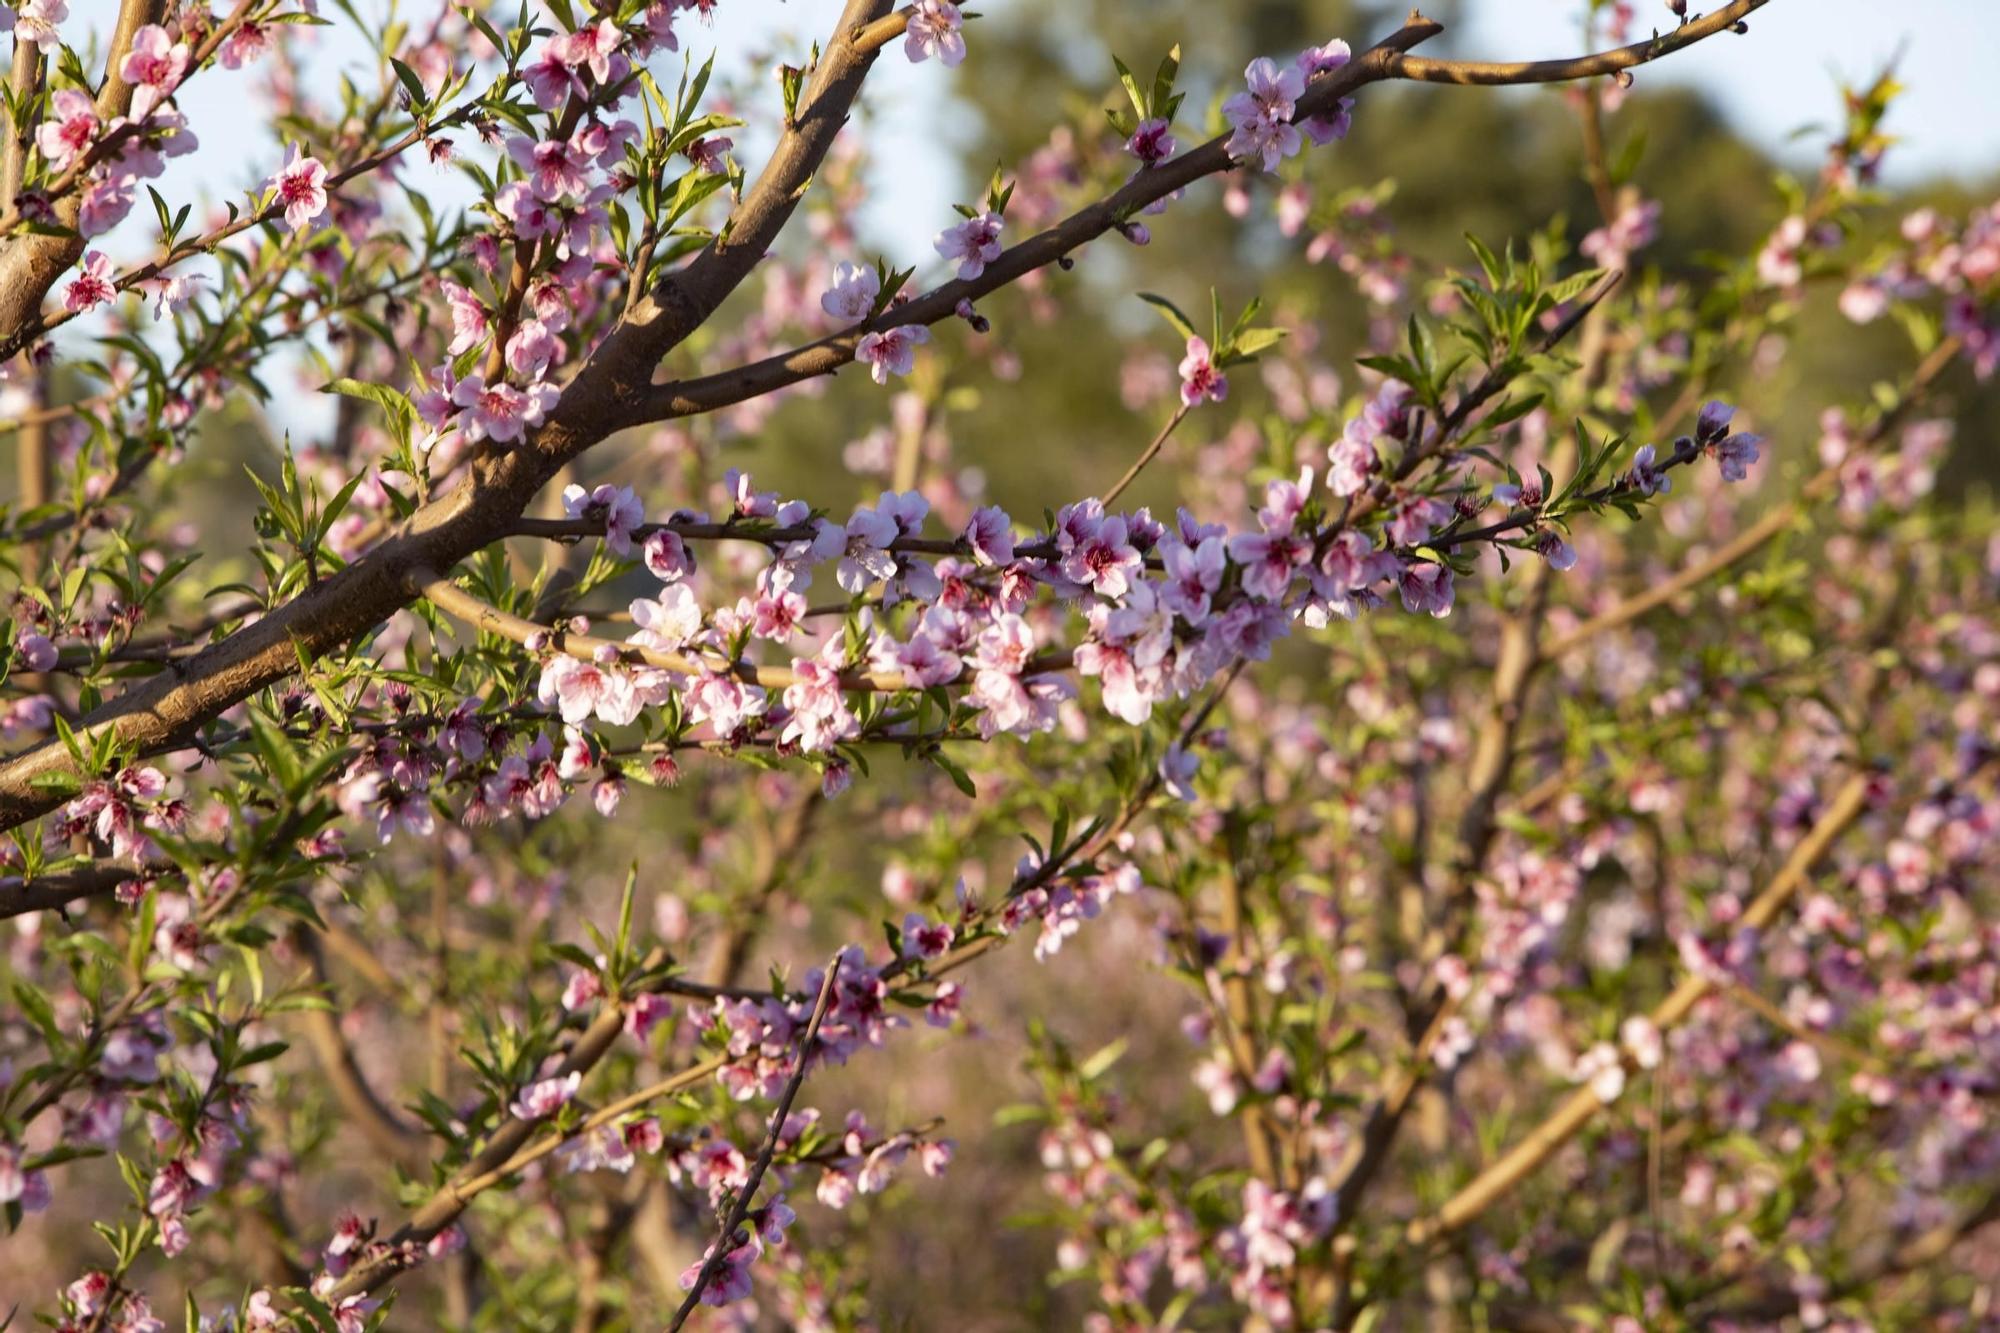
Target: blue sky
(1780, 76)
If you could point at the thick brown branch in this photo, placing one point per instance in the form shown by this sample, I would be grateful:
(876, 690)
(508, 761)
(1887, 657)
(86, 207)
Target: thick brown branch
(53, 892)
(30, 264)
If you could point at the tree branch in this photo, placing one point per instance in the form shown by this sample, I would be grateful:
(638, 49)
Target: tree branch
(612, 391)
(1495, 73)
(740, 1207)
(19, 895)
(345, 608)
(30, 264)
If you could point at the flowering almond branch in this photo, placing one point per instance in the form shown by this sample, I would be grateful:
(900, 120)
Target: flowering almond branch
(351, 746)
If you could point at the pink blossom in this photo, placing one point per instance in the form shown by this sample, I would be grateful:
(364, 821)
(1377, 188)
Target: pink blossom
(943, 1010)
(1194, 573)
(542, 1099)
(1864, 300)
(29, 1189)
(1552, 548)
(617, 506)
(1268, 561)
(924, 938)
(91, 287)
(1427, 587)
(171, 294)
(1178, 767)
(154, 66)
(301, 187)
(550, 77)
(605, 144)
(1199, 377)
(532, 349)
(819, 715)
(1642, 1041)
(729, 1276)
(246, 45)
(36, 23)
(974, 243)
(1104, 559)
(659, 19)
(1152, 141)
(554, 169)
(1778, 263)
(1603, 1069)
(935, 31)
(106, 203)
(891, 351)
(65, 136)
(1262, 114)
(645, 1013)
(529, 216)
(582, 990)
(711, 154)
(38, 651)
(1314, 61)
(1646, 478)
(667, 556)
(501, 412)
(1350, 462)
(852, 296)
(990, 534)
(88, 1293)
(1413, 518)
(468, 319)
(922, 661)
(595, 47)
(669, 622)
(865, 557)
(776, 610)
(1733, 452)
(1613, 245)
(724, 702)
(578, 690)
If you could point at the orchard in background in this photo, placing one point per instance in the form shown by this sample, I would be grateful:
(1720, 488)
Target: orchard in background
(1489, 834)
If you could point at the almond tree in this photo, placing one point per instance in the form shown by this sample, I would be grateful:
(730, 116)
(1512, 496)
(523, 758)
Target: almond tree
(1721, 874)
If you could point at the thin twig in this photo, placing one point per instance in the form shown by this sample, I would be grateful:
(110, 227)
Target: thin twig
(725, 1239)
(1151, 452)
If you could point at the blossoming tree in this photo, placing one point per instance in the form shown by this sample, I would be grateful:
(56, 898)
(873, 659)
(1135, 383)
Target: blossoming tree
(1558, 817)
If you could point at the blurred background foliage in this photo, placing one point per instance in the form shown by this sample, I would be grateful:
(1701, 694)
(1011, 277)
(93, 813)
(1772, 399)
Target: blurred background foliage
(1053, 423)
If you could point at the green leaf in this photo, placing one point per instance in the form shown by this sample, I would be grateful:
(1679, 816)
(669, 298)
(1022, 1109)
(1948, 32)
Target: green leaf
(959, 777)
(1171, 313)
(258, 1055)
(1513, 409)
(419, 98)
(1100, 1063)
(1562, 293)
(1487, 261)
(280, 756)
(1131, 87)
(388, 399)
